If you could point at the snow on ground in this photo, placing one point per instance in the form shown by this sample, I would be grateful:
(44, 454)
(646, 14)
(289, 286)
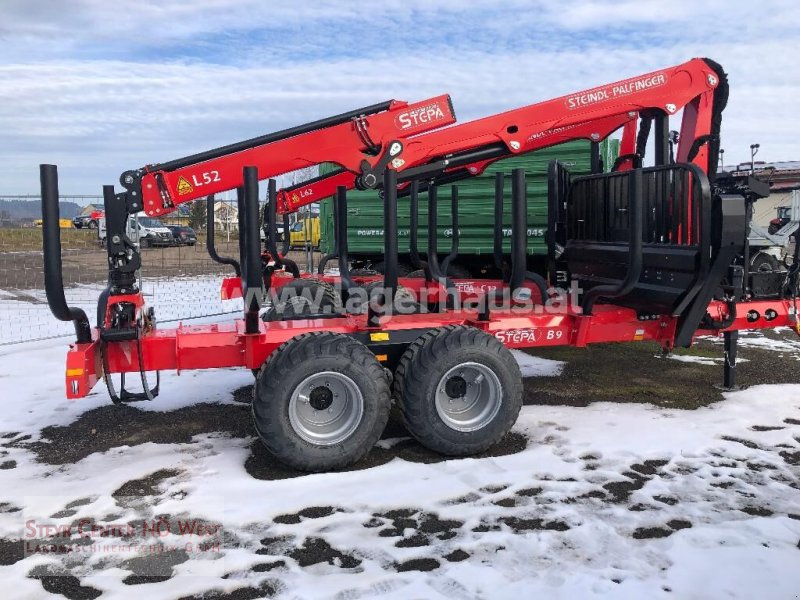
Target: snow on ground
(24, 314)
(610, 500)
(786, 347)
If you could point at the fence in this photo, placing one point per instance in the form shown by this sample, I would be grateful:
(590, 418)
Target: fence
(181, 282)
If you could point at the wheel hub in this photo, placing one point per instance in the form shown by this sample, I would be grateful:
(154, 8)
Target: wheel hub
(320, 398)
(326, 408)
(468, 396)
(456, 387)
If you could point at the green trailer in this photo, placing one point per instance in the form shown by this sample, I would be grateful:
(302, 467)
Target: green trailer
(476, 213)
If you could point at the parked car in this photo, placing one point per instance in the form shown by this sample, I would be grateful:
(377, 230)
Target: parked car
(183, 236)
(86, 221)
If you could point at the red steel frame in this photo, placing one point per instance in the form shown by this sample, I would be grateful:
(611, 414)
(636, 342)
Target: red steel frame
(592, 114)
(226, 344)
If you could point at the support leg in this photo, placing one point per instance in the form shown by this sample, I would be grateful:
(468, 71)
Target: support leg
(731, 347)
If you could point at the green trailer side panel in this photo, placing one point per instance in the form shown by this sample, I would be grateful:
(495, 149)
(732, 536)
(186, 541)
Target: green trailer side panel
(476, 206)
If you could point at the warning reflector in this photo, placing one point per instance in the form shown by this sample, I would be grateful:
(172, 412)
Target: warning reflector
(184, 187)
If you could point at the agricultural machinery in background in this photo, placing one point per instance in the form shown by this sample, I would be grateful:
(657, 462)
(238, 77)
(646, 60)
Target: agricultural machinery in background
(659, 253)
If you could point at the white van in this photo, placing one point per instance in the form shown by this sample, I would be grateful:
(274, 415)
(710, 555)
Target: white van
(142, 230)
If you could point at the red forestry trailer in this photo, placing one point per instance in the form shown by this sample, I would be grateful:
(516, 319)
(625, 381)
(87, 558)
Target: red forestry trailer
(658, 253)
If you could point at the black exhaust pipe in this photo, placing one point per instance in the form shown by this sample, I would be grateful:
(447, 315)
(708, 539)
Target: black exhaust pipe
(51, 245)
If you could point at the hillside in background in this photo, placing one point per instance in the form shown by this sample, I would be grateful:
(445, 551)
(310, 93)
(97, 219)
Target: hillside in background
(31, 209)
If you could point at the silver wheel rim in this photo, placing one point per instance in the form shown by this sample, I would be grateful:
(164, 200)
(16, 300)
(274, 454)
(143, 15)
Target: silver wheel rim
(326, 408)
(468, 396)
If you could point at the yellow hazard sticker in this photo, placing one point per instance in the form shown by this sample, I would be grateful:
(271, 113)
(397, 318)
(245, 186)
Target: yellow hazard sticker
(381, 336)
(184, 187)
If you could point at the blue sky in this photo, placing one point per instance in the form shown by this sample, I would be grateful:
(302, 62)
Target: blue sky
(99, 87)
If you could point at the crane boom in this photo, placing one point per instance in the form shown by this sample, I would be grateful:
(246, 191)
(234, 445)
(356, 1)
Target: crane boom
(590, 114)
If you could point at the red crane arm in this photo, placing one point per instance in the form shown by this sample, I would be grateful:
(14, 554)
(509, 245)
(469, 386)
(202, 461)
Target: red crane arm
(295, 197)
(352, 140)
(592, 114)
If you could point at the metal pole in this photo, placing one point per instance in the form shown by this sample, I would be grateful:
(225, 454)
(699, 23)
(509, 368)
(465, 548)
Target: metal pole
(731, 339)
(753, 151)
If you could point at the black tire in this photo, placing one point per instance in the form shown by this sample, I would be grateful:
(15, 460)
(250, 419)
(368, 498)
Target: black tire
(764, 263)
(418, 274)
(295, 300)
(420, 373)
(92, 224)
(310, 357)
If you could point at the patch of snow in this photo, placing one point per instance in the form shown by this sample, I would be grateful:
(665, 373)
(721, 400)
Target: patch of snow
(584, 470)
(701, 360)
(534, 366)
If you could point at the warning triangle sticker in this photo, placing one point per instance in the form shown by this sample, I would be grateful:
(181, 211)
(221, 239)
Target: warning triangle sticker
(184, 187)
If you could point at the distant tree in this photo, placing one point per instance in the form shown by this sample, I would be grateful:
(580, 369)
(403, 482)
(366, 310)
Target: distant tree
(197, 214)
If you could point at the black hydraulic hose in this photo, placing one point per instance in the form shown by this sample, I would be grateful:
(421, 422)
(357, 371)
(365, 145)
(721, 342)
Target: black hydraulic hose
(272, 231)
(390, 234)
(519, 237)
(270, 138)
(644, 132)
(240, 226)
(433, 233)
(287, 235)
(437, 167)
(210, 233)
(387, 296)
(51, 246)
(540, 283)
(635, 229)
(340, 231)
(594, 158)
(433, 251)
(455, 239)
(519, 228)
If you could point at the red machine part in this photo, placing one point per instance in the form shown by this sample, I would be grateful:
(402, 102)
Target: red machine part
(299, 196)
(592, 114)
(345, 144)
(226, 345)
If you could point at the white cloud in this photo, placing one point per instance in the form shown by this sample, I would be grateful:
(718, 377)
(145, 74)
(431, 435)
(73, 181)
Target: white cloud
(96, 116)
